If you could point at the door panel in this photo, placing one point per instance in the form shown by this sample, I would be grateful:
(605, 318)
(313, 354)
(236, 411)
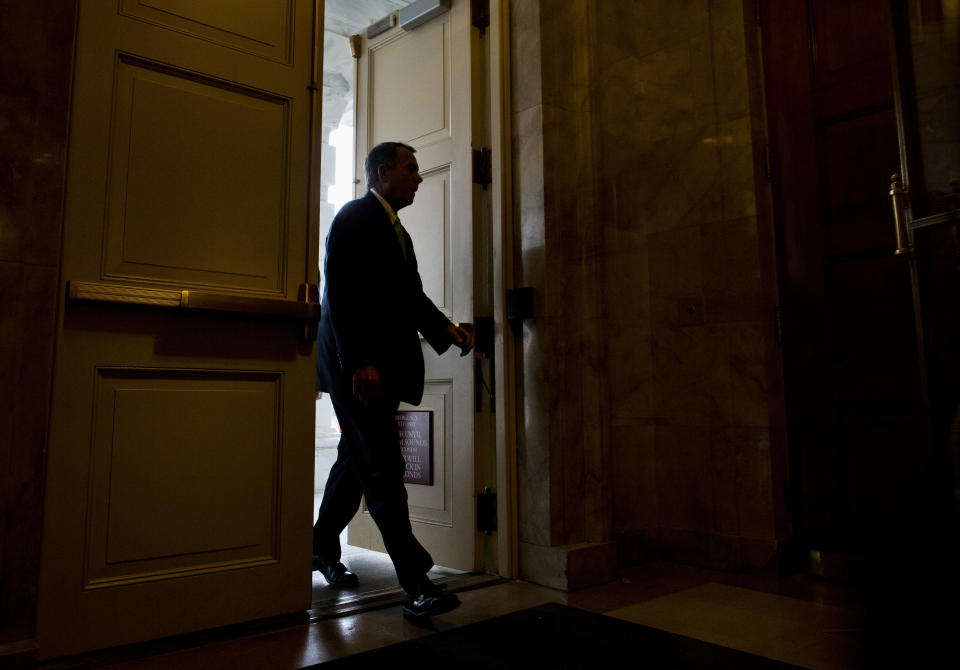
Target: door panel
(428, 222)
(196, 165)
(179, 482)
(410, 72)
(414, 87)
(148, 476)
(431, 504)
(253, 26)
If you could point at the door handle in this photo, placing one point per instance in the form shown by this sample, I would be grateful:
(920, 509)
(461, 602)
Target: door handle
(897, 194)
(306, 307)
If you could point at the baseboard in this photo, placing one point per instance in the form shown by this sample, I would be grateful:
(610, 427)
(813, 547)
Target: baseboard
(716, 551)
(637, 548)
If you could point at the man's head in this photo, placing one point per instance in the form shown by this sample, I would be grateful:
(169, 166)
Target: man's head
(393, 172)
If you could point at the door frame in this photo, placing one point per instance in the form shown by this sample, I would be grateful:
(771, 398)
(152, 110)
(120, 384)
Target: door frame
(505, 273)
(490, 51)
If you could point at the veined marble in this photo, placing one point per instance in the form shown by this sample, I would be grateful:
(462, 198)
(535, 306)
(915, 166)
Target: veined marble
(652, 355)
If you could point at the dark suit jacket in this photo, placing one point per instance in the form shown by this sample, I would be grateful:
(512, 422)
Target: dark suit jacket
(373, 306)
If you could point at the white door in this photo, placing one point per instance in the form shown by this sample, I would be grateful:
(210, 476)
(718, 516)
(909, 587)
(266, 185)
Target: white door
(414, 87)
(179, 480)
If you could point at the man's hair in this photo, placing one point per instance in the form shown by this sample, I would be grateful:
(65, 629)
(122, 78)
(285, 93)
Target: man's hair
(384, 154)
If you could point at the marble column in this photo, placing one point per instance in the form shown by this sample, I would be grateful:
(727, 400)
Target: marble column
(651, 397)
(564, 461)
(36, 63)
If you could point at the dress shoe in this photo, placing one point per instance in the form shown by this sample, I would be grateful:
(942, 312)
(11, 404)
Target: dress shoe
(335, 572)
(429, 603)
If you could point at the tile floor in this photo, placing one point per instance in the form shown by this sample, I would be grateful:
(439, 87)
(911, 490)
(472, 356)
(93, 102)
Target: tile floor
(808, 622)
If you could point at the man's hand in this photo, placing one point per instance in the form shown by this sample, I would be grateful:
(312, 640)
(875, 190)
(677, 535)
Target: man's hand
(366, 384)
(461, 337)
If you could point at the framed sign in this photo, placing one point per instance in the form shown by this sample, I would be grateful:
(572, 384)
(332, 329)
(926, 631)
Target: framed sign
(415, 429)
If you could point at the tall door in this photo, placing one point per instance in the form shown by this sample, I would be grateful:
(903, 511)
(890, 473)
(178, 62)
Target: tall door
(853, 393)
(179, 477)
(414, 87)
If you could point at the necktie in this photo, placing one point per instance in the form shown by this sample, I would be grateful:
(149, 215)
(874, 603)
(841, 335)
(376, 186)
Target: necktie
(398, 229)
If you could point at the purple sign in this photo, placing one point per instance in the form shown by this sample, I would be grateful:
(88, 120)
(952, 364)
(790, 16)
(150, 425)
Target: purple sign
(415, 428)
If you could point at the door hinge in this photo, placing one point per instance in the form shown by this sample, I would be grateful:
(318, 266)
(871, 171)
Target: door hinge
(777, 324)
(480, 14)
(482, 389)
(486, 511)
(483, 362)
(482, 167)
(483, 334)
(308, 292)
(356, 45)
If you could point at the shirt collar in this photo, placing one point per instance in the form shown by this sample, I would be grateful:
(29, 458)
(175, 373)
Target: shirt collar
(393, 215)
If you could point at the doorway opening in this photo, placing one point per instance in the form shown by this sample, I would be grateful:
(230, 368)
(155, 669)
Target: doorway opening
(342, 19)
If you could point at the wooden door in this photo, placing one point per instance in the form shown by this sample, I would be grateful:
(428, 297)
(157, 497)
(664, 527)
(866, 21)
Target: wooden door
(179, 482)
(415, 87)
(854, 397)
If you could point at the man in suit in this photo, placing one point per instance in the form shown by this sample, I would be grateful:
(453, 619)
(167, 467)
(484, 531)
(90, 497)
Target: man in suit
(369, 359)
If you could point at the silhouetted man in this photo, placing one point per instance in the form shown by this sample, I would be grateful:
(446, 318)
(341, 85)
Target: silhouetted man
(369, 359)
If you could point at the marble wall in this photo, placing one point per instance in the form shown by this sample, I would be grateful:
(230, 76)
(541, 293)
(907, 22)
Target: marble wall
(565, 507)
(35, 67)
(650, 391)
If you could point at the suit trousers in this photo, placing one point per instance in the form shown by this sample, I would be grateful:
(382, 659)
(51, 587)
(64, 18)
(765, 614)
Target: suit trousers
(369, 463)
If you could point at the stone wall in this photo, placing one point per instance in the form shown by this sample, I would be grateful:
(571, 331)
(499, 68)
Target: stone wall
(650, 381)
(565, 503)
(36, 62)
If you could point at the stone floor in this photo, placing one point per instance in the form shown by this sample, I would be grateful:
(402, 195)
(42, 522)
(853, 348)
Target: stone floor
(804, 621)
